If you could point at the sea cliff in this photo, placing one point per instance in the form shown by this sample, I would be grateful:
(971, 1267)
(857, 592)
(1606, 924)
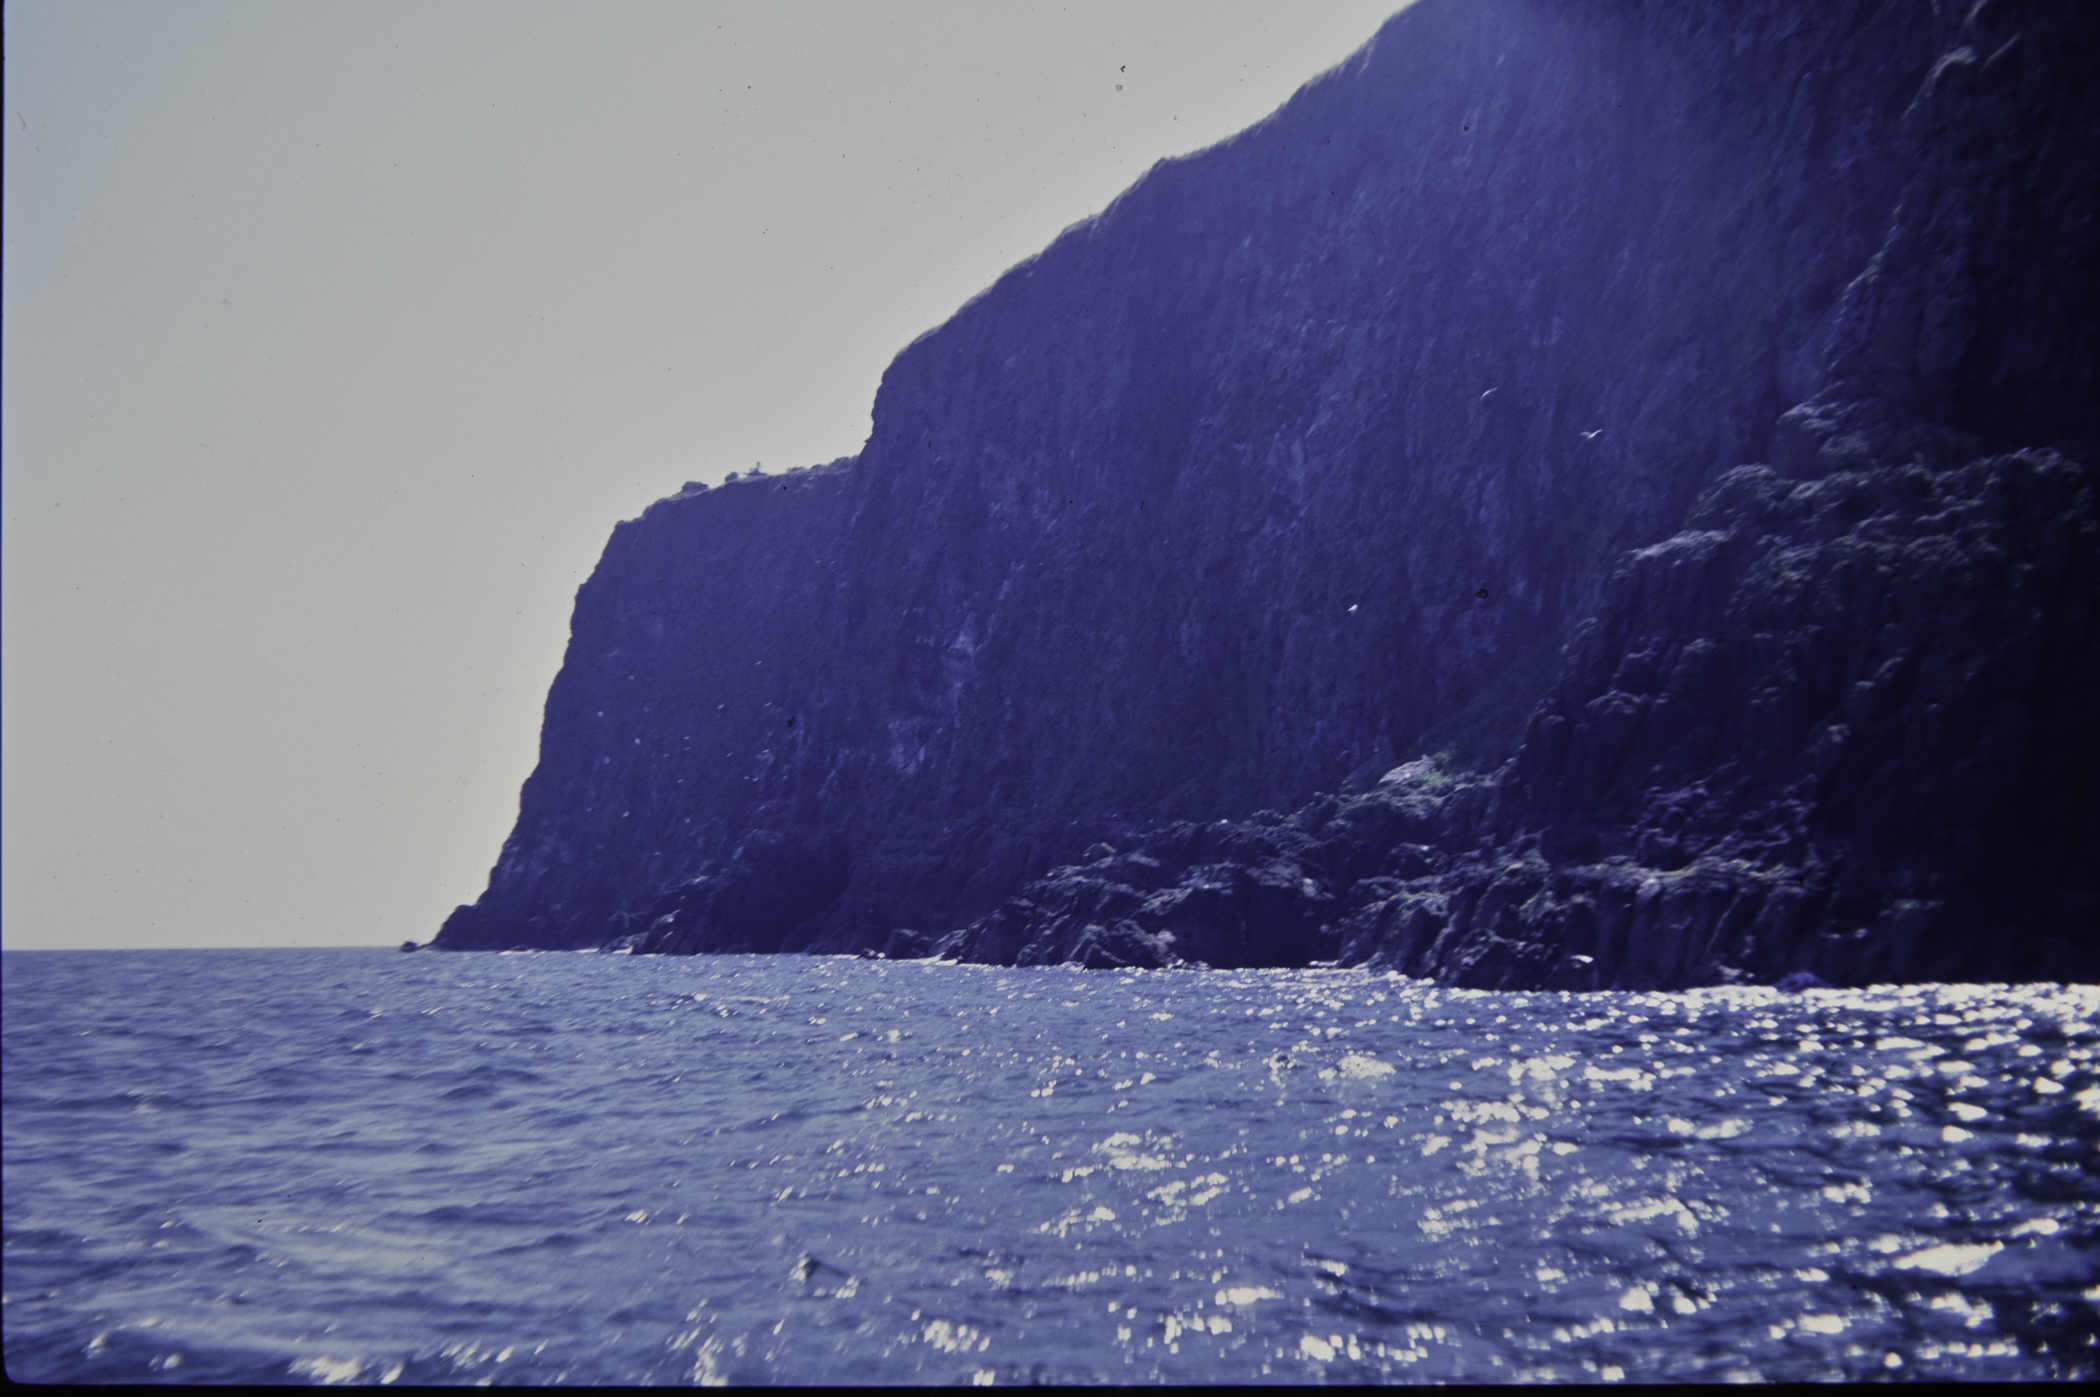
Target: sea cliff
(1586, 494)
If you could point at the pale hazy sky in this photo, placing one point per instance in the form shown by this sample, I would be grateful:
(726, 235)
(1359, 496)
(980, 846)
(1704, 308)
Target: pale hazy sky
(339, 335)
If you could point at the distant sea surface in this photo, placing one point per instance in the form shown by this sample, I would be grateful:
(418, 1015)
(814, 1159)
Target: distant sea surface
(358, 1166)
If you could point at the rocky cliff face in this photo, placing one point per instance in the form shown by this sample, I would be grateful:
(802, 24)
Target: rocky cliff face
(1679, 416)
(1842, 725)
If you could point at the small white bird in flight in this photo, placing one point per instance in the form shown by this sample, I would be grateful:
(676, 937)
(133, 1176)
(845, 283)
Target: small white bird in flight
(1591, 436)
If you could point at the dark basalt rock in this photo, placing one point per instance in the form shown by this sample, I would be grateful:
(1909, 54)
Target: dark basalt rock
(1272, 890)
(767, 897)
(1851, 732)
(1415, 419)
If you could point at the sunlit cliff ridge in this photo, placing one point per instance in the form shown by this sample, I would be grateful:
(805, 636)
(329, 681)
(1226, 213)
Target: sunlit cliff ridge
(1587, 494)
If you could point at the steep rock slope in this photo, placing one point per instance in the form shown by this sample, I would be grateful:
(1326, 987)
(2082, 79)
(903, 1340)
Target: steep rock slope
(1315, 449)
(1843, 725)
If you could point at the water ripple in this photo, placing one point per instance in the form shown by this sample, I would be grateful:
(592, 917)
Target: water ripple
(359, 1167)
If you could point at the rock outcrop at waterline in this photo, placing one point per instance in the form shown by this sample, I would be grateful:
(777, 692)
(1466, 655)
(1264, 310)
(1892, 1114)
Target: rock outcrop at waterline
(1451, 409)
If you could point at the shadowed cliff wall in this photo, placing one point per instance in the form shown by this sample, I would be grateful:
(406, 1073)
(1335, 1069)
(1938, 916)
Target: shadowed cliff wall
(1310, 453)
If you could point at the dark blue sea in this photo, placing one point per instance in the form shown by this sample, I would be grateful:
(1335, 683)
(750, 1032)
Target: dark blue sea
(358, 1166)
